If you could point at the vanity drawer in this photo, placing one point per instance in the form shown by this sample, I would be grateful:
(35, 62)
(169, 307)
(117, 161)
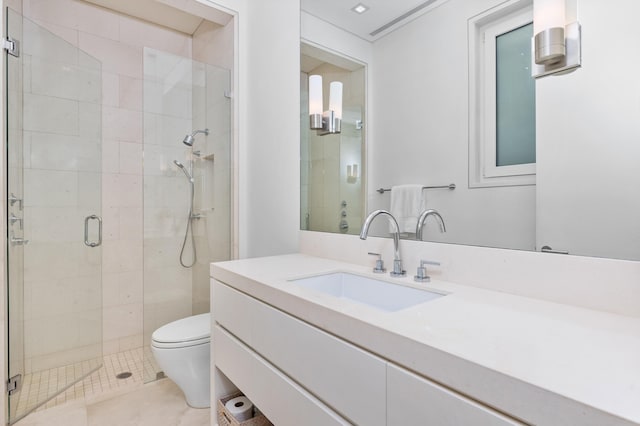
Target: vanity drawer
(282, 400)
(346, 378)
(233, 310)
(413, 400)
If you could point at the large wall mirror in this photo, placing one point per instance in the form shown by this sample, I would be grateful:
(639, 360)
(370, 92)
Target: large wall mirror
(439, 112)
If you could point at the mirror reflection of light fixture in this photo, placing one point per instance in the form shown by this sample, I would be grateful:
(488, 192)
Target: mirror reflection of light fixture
(352, 173)
(325, 122)
(556, 44)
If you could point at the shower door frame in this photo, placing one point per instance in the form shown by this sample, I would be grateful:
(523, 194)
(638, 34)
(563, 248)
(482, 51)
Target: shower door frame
(14, 353)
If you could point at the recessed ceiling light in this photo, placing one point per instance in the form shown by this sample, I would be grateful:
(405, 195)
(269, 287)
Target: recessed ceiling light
(360, 8)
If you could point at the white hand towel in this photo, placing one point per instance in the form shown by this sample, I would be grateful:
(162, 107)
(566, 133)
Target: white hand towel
(407, 203)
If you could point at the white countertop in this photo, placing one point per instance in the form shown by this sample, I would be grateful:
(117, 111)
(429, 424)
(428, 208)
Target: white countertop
(542, 362)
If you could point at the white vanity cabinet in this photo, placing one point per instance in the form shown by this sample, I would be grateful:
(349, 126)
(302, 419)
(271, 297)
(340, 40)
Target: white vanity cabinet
(412, 400)
(281, 399)
(349, 380)
(289, 368)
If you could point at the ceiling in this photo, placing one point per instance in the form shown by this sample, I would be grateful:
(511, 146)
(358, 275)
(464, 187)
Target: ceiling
(383, 16)
(180, 15)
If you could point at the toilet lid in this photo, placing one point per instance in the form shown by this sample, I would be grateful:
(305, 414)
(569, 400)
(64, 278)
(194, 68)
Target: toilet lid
(195, 328)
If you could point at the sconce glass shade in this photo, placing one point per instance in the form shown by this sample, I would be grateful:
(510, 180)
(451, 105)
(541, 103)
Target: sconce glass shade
(315, 94)
(548, 28)
(325, 122)
(335, 99)
(548, 14)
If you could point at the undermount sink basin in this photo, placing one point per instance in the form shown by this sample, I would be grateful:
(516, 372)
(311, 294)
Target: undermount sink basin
(376, 293)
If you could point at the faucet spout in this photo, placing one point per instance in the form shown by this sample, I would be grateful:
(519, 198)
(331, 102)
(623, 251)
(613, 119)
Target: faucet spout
(397, 262)
(423, 217)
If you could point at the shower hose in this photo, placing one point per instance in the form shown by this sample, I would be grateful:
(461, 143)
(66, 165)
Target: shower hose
(186, 232)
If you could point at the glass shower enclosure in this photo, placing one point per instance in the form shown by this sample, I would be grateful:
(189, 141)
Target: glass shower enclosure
(54, 273)
(187, 188)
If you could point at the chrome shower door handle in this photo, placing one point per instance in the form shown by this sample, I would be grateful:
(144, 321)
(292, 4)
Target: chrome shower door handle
(86, 231)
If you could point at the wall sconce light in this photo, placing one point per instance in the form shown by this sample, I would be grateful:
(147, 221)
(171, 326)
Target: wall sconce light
(556, 44)
(325, 122)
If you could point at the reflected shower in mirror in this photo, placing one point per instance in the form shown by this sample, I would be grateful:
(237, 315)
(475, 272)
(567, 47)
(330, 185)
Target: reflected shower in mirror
(332, 163)
(441, 113)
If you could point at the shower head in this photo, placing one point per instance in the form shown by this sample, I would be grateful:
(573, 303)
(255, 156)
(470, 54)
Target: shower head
(184, 169)
(189, 139)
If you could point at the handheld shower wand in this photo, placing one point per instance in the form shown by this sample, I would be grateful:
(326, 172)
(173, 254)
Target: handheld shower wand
(189, 139)
(184, 169)
(189, 217)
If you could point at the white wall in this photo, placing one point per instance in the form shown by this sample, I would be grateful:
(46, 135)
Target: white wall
(269, 61)
(589, 133)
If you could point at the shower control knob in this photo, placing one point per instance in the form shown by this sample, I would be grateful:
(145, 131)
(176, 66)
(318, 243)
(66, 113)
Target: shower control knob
(13, 199)
(18, 241)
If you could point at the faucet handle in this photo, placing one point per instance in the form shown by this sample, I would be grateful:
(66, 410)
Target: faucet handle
(421, 273)
(379, 268)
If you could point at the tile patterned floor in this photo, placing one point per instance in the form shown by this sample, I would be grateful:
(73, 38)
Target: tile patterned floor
(160, 403)
(38, 386)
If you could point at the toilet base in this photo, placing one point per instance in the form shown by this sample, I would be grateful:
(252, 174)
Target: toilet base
(189, 369)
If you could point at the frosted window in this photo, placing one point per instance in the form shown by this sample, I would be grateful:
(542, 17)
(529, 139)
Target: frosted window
(515, 99)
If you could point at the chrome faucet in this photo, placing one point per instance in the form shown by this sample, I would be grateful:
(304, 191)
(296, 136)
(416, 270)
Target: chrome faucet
(397, 263)
(422, 219)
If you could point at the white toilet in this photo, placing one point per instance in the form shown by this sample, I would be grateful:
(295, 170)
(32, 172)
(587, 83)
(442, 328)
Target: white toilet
(182, 351)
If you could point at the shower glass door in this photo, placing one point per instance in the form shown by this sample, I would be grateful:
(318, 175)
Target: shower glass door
(183, 96)
(54, 118)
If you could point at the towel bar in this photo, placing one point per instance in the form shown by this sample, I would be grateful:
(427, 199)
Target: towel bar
(451, 186)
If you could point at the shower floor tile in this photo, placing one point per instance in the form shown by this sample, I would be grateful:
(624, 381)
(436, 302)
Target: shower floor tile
(97, 385)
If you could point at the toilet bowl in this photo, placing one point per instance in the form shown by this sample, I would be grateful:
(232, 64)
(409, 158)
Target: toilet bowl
(182, 351)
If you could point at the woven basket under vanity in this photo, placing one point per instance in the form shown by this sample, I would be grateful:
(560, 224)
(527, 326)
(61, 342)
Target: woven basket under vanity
(225, 418)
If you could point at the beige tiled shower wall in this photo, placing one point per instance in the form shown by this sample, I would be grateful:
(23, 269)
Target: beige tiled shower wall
(117, 41)
(169, 86)
(212, 46)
